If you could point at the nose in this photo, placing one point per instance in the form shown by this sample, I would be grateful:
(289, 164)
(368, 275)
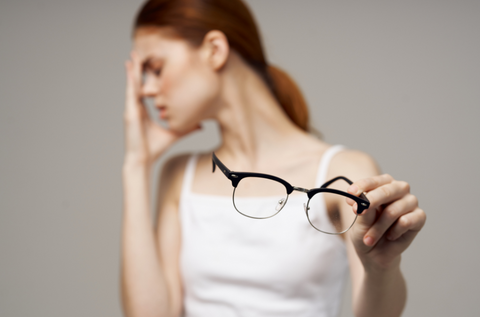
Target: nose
(149, 86)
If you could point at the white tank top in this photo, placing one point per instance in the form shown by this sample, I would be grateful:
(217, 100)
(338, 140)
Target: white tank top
(237, 266)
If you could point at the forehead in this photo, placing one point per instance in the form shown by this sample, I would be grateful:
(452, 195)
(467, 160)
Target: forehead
(157, 42)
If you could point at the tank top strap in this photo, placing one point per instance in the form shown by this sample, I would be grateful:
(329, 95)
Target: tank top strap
(325, 162)
(189, 174)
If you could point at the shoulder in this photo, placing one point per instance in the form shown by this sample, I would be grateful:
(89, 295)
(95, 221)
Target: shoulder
(353, 164)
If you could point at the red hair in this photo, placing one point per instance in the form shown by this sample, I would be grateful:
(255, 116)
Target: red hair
(193, 19)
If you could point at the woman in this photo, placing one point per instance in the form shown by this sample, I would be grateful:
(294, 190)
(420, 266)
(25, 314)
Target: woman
(203, 59)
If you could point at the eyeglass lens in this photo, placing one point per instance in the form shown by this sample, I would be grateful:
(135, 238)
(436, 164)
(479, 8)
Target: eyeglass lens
(259, 197)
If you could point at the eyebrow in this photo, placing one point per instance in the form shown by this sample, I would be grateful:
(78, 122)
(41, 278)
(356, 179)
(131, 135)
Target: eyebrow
(150, 61)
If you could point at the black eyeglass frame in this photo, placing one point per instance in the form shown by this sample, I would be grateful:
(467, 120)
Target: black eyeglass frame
(235, 177)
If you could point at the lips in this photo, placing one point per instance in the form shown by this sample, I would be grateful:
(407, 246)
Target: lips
(162, 110)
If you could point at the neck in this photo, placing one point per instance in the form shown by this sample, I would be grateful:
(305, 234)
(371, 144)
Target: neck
(253, 125)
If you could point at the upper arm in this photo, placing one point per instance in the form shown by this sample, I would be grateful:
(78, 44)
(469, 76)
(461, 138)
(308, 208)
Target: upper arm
(354, 165)
(168, 230)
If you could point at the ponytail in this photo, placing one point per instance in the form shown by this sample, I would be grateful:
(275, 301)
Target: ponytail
(290, 97)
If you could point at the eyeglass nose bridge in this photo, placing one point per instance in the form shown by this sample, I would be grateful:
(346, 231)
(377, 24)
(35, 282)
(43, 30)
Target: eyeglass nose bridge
(303, 190)
(300, 189)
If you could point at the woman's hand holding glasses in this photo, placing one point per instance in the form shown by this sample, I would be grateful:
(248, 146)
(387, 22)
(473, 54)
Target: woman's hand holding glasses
(389, 225)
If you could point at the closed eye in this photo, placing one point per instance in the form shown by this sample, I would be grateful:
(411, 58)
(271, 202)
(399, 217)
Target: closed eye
(156, 71)
(148, 72)
(153, 67)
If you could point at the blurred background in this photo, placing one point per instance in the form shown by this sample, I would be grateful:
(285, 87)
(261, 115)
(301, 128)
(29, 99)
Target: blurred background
(396, 79)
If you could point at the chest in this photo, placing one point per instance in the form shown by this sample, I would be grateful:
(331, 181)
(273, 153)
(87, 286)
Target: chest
(283, 253)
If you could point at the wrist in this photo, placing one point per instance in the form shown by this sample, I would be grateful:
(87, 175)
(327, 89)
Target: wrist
(135, 162)
(131, 168)
(381, 293)
(384, 271)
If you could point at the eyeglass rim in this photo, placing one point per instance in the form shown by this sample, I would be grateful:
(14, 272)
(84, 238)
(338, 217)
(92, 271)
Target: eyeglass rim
(307, 208)
(238, 210)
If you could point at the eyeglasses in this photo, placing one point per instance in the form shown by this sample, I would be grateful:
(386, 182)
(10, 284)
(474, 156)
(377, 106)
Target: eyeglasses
(262, 196)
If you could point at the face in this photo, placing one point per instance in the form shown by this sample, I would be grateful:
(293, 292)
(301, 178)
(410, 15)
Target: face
(177, 77)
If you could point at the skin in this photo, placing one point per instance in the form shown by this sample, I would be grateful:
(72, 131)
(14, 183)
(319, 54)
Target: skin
(191, 84)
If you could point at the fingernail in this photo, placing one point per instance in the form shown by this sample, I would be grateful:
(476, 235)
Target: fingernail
(368, 241)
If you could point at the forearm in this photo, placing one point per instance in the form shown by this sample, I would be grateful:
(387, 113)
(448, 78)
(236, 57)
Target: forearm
(144, 289)
(380, 293)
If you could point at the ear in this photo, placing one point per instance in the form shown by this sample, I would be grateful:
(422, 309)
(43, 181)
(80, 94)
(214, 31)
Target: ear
(215, 49)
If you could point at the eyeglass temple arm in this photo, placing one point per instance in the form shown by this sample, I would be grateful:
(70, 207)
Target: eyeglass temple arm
(333, 180)
(223, 168)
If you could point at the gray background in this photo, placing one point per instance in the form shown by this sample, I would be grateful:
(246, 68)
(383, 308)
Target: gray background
(396, 79)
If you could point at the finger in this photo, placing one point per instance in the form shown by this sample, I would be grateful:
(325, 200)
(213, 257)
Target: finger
(134, 108)
(390, 215)
(138, 83)
(134, 74)
(137, 69)
(387, 193)
(132, 111)
(350, 201)
(410, 222)
(368, 184)
(130, 94)
(379, 198)
(130, 89)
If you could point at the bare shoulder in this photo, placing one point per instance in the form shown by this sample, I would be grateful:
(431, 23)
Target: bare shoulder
(353, 164)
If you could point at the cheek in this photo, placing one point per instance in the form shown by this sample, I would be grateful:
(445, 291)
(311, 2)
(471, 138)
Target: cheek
(190, 95)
